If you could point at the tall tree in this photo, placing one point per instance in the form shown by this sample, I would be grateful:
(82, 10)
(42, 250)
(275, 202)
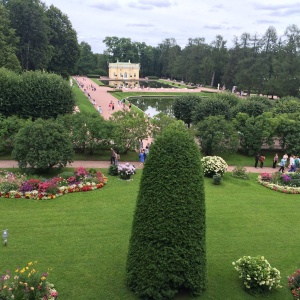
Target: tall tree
(87, 60)
(63, 39)
(29, 19)
(8, 42)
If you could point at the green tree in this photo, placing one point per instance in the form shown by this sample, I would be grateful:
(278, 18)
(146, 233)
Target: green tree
(86, 61)
(211, 107)
(167, 245)
(87, 131)
(8, 43)
(9, 127)
(160, 122)
(41, 145)
(63, 39)
(129, 128)
(255, 131)
(184, 106)
(253, 106)
(29, 19)
(217, 135)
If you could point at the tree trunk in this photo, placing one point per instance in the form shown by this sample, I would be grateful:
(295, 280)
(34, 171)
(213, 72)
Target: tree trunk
(212, 79)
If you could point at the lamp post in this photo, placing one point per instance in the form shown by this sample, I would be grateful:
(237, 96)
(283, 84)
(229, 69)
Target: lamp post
(5, 236)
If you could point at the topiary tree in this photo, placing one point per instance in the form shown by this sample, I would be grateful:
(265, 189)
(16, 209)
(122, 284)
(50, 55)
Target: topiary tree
(41, 145)
(167, 246)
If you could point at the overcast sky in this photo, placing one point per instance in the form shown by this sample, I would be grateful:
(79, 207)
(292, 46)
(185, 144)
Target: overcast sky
(152, 21)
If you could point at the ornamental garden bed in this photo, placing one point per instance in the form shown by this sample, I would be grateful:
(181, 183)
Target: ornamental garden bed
(288, 183)
(15, 185)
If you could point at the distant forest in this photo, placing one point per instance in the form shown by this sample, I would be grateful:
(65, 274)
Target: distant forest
(36, 37)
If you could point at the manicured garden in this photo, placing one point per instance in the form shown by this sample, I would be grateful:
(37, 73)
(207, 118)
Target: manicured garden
(83, 237)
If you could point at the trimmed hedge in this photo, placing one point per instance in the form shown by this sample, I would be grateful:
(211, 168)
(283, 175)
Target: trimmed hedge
(167, 246)
(152, 77)
(92, 76)
(34, 95)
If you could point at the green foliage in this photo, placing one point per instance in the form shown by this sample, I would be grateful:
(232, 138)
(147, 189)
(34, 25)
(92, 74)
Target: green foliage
(257, 274)
(87, 131)
(211, 107)
(41, 145)
(184, 106)
(93, 75)
(129, 127)
(64, 45)
(217, 135)
(34, 95)
(159, 122)
(8, 42)
(7, 186)
(217, 178)
(240, 172)
(30, 22)
(254, 106)
(113, 170)
(167, 245)
(9, 127)
(10, 91)
(152, 77)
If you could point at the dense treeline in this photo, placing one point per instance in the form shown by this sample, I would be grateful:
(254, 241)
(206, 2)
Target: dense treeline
(36, 37)
(227, 123)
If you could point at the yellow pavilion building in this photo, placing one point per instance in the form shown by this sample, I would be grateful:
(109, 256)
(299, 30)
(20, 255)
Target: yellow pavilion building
(123, 71)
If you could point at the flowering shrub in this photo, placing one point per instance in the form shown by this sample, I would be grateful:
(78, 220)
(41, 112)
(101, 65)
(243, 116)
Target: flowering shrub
(294, 284)
(257, 274)
(26, 284)
(213, 165)
(288, 183)
(240, 172)
(53, 188)
(126, 170)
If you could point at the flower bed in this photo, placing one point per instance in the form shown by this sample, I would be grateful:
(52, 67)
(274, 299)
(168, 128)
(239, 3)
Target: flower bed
(26, 283)
(287, 183)
(79, 181)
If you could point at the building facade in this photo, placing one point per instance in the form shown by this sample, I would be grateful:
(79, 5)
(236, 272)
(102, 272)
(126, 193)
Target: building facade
(123, 71)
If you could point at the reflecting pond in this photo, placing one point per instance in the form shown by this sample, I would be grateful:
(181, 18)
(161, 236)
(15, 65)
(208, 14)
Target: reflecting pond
(137, 84)
(153, 106)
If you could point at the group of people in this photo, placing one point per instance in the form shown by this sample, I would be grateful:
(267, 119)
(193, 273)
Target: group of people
(294, 162)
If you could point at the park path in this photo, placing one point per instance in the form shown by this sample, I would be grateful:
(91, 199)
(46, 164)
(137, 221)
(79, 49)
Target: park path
(105, 164)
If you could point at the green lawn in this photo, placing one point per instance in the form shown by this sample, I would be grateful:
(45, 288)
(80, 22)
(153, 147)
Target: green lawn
(83, 237)
(81, 100)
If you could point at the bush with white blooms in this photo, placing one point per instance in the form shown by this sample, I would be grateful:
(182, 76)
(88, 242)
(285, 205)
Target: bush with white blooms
(213, 165)
(257, 274)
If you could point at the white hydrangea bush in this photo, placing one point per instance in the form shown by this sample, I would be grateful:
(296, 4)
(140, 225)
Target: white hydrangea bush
(257, 274)
(213, 165)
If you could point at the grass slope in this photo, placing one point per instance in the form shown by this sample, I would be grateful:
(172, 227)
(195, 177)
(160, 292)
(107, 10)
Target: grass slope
(84, 237)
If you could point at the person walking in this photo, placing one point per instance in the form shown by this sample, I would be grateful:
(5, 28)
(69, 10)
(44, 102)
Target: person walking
(112, 157)
(292, 164)
(142, 157)
(275, 160)
(262, 159)
(282, 165)
(257, 156)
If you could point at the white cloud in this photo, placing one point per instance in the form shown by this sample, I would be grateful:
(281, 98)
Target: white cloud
(152, 21)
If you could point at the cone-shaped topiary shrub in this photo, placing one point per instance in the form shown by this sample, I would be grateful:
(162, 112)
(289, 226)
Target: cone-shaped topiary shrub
(167, 246)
